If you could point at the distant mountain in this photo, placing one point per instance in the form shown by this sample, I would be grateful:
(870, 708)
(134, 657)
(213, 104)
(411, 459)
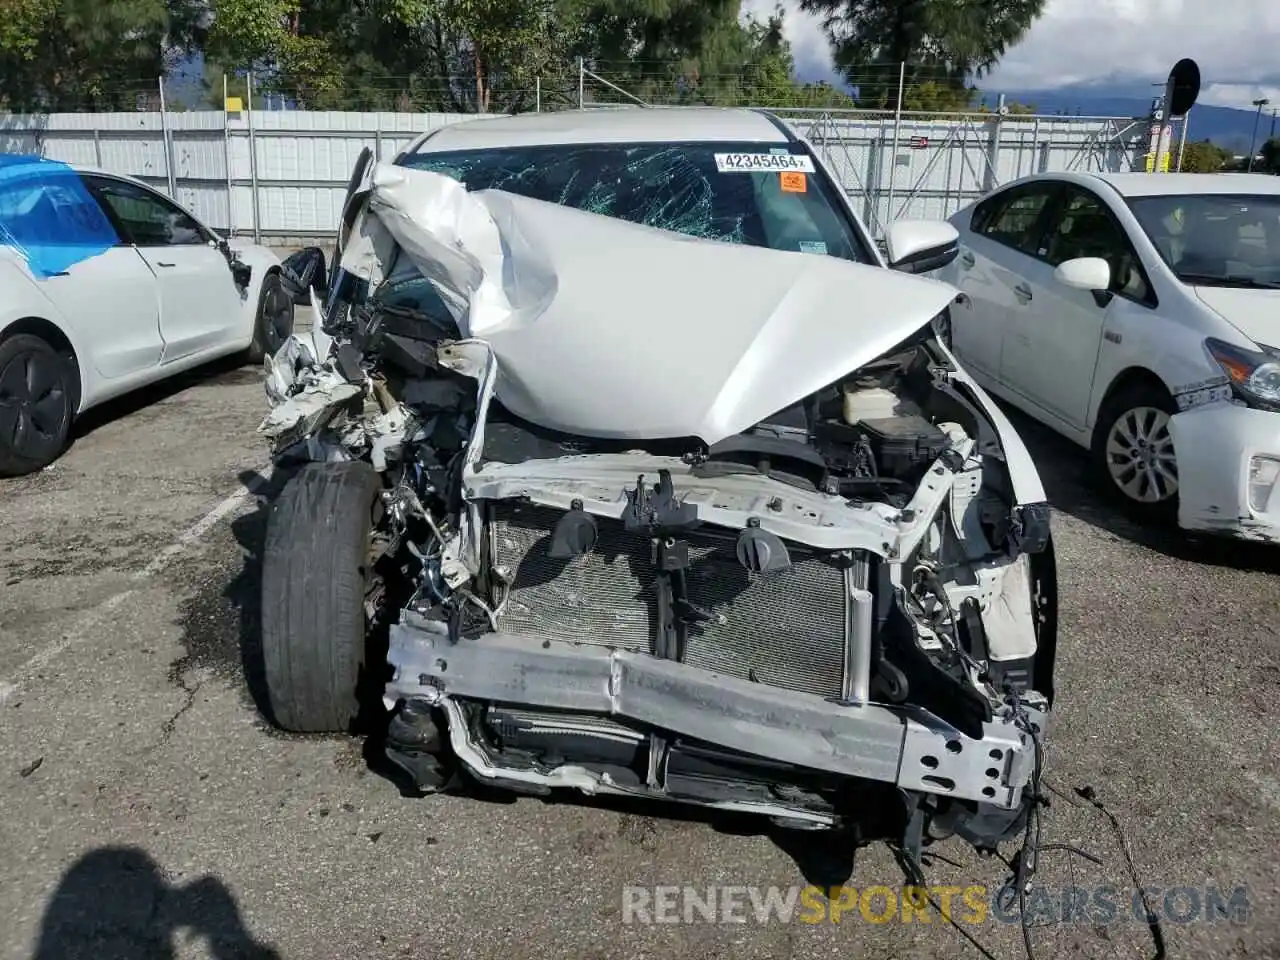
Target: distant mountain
(1227, 127)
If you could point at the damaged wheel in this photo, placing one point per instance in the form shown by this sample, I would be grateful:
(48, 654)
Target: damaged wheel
(274, 321)
(1133, 450)
(36, 404)
(315, 576)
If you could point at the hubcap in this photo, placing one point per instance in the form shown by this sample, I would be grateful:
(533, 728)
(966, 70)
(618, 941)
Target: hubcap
(32, 401)
(1140, 455)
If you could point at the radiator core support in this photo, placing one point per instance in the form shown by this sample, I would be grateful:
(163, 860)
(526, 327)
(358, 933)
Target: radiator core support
(806, 628)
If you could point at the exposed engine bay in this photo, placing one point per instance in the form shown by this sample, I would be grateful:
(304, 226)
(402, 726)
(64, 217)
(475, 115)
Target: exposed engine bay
(849, 601)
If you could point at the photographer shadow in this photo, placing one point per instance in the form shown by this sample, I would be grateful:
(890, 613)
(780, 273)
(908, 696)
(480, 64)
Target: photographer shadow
(114, 903)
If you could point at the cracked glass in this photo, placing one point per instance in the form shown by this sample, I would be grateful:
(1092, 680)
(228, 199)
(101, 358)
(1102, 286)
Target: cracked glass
(671, 186)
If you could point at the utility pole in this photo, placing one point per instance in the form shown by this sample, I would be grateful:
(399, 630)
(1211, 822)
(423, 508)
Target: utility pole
(1253, 140)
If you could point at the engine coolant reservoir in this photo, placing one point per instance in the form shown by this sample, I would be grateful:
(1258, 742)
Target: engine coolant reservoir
(868, 403)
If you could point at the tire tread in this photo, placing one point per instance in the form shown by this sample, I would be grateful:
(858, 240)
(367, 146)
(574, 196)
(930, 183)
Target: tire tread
(313, 593)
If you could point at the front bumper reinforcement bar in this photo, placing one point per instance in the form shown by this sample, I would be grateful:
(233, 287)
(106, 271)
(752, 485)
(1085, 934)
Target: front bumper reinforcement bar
(906, 747)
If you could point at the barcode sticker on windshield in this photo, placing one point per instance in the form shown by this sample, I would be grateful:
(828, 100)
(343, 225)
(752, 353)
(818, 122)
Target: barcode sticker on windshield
(763, 162)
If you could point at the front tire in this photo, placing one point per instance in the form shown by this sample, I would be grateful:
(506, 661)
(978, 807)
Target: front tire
(1133, 451)
(273, 323)
(315, 575)
(36, 404)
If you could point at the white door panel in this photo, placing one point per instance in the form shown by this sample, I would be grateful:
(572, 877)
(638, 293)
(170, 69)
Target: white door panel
(1001, 232)
(1052, 347)
(978, 320)
(1009, 295)
(97, 283)
(112, 302)
(199, 303)
(1051, 351)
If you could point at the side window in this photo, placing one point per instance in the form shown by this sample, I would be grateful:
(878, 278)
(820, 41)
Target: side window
(982, 213)
(1015, 221)
(1084, 227)
(149, 219)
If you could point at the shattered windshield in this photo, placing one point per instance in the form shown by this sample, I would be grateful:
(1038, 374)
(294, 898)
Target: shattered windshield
(1215, 240)
(745, 193)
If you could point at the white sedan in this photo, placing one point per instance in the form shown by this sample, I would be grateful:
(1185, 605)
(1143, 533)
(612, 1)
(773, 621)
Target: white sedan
(109, 286)
(1139, 316)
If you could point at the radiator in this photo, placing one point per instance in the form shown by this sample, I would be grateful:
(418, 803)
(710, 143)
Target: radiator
(785, 629)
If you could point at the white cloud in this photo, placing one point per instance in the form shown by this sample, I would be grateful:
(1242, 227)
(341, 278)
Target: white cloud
(1239, 95)
(1084, 41)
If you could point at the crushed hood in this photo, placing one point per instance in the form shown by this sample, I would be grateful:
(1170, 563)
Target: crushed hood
(611, 329)
(1255, 313)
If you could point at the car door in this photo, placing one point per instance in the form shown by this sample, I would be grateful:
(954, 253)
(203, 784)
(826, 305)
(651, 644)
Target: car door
(1003, 232)
(200, 305)
(1052, 345)
(94, 279)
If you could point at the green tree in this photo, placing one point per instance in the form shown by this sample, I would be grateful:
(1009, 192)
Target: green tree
(82, 54)
(662, 51)
(948, 42)
(1204, 157)
(506, 41)
(1270, 153)
(737, 63)
(436, 54)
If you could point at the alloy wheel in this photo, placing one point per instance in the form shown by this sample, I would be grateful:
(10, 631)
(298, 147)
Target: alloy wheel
(1140, 456)
(33, 401)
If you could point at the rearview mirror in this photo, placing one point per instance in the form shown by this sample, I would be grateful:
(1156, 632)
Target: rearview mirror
(1084, 273)
(920, 246)
(303, 272)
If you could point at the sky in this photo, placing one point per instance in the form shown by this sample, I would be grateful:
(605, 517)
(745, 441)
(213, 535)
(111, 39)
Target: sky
(1113, 42)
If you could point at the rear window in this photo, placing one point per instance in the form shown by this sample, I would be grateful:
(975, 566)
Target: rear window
(52, 208)
(48, 216)
(733, 192)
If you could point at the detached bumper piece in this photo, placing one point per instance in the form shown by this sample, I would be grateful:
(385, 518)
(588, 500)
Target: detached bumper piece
(532, 713)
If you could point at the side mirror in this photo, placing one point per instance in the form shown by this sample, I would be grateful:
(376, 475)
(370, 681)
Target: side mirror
(303, 272)
(920, 246)
(1086, 273)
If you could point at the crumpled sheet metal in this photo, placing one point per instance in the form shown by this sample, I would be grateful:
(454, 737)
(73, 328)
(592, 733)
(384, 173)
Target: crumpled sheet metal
(307, 410)
(612, 329)
(302, 386)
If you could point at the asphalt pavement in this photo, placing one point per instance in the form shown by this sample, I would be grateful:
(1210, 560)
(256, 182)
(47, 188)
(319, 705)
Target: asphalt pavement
(148, 812)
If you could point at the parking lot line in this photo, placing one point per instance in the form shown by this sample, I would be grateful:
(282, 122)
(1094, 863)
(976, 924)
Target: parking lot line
(220, 511)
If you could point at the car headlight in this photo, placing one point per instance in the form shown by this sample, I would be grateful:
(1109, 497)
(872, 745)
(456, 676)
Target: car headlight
(1254, 374)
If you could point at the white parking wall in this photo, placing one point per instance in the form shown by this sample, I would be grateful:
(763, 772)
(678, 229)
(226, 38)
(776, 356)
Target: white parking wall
(278, 175)
(281, 176)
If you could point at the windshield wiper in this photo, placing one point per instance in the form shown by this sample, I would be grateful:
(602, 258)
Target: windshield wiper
(1219, 280)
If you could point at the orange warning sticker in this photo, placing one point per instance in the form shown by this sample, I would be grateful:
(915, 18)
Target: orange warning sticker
(792, 182)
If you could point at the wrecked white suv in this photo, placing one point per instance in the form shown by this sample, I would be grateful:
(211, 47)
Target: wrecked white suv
(634, 469)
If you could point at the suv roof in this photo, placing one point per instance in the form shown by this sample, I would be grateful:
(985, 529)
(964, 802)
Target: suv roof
(608, 125)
